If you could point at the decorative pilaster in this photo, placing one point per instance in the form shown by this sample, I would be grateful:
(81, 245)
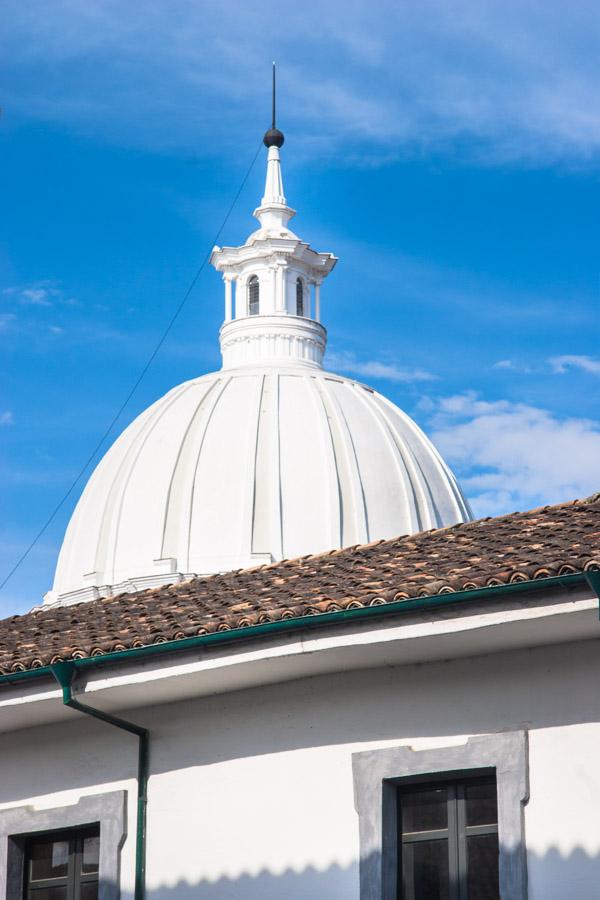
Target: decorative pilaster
(228, 279)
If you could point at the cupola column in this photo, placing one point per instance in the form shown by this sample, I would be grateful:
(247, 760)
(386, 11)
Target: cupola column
(228, 279)
(240, 299)
(273, 272)
(318, 301)
(280, 285)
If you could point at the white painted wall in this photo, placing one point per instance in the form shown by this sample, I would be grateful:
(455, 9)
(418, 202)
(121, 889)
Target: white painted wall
(251, 792)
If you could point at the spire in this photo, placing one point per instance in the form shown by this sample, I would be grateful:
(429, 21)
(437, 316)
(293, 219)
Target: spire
(272, 283)
(273, 137)
(273, 212)
(273, 195)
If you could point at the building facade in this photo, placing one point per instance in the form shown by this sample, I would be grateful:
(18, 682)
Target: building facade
(292, 708)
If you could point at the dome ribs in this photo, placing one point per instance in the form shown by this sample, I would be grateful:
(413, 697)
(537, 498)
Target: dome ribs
(183, 446)
(539, 544)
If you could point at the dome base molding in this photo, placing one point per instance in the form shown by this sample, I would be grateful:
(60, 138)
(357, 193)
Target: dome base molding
(129, 586)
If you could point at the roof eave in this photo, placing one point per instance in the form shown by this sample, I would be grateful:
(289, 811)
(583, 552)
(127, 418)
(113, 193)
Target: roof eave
(312, 622)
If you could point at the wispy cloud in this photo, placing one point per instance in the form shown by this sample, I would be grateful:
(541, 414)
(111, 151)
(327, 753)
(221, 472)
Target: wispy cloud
(516, 82)
(562, 364)
(35, 297)
(44, 311)
(511, 365)
(372, 368)
(515, 456)
(7, 417)
(41, 293)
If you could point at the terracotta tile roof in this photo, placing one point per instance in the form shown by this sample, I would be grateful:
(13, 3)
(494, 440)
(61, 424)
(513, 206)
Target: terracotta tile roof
(553, 540)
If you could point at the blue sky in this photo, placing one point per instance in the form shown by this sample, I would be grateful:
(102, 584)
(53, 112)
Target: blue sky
(449, 154)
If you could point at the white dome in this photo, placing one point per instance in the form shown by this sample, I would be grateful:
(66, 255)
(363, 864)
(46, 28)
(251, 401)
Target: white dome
(270, 458)
(247, 466)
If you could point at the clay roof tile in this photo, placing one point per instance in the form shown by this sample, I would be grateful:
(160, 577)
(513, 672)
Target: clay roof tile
(540, 543)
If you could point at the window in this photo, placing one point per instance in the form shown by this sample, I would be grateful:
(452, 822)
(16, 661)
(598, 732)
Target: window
(299, 297)
(253, 296)
(21, 828)
(448, 840)
(382, 775)
(63, 865)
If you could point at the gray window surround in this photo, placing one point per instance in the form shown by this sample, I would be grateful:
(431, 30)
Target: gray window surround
(19, 822)
(378, 772)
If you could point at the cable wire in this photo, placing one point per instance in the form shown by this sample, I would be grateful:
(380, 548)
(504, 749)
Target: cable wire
(137, 383)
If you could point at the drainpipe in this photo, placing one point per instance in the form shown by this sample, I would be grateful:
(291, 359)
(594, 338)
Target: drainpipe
(64, 673)
(593, 579)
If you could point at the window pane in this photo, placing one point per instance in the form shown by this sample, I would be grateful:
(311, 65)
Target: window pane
(91, 854)
(253, 296)
(425, 870)
(482, 877)
(53, 893)
(425, 810)
(49, 859)
(481, 804)
(89, 890)
(299, 298)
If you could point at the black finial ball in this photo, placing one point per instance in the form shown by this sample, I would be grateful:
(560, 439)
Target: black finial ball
(273, 138)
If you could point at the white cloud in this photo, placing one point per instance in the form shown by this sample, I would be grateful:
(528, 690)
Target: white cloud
(347, 362)
(35, 297)
(7, 417)
(512, 456)
(511, 365)
(40, 293)
(517, 81)
(562, 364)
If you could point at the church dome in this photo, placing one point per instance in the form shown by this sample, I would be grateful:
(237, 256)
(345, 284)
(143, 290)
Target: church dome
(248, 466)
(270, 458)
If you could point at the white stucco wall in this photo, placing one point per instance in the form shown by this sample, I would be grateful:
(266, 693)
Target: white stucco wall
(251, 793)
